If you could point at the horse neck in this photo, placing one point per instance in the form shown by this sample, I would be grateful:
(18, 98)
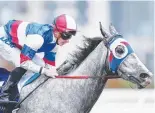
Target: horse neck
(94, 64)
(81, 94)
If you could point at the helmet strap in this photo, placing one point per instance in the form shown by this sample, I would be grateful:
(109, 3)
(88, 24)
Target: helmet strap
(57, 38)
(57, 41)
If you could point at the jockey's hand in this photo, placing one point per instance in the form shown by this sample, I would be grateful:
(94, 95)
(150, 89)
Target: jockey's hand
(50, 72)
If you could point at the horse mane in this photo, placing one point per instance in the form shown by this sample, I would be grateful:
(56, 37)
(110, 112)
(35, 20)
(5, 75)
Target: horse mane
(89, 44)
(79, 55)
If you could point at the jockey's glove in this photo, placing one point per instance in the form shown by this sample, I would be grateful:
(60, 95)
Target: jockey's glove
(49, 72)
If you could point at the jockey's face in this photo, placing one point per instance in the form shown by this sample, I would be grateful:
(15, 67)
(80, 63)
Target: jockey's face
(60, 40)
(57, 35)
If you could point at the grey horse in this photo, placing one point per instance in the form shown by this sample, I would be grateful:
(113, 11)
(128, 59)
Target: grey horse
(100, 57)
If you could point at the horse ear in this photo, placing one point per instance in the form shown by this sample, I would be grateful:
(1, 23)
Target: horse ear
(112, 30)
(104, 33)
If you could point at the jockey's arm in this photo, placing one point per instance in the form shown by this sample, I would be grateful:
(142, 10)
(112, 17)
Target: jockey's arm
(30, 48)
(32, 44)
(49, 60)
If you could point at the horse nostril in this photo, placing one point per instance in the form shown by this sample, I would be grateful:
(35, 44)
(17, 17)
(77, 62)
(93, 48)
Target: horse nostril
(144, 75)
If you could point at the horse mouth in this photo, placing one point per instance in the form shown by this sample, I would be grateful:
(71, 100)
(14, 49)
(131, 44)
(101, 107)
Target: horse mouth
(143, 81)
(146, 82)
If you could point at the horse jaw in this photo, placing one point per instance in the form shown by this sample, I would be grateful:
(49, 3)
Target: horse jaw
(133, 70)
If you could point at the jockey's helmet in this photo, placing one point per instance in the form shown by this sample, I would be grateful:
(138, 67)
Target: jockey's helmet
(66, 25)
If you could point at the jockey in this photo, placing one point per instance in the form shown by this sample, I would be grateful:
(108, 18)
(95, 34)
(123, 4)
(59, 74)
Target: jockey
(21, 42)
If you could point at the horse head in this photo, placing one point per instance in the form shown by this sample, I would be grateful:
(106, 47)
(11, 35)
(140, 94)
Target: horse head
(123, 60)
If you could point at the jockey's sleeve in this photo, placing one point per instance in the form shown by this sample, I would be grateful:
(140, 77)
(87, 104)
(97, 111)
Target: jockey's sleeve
(32, 44)
(49, 59)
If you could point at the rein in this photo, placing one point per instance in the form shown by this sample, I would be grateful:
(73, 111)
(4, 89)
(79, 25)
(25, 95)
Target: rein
(84, 77)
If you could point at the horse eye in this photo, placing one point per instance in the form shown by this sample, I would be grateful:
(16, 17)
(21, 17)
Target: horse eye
(120, 49)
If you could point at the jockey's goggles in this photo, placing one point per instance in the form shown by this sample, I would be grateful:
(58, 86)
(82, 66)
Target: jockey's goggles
(67, 35)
